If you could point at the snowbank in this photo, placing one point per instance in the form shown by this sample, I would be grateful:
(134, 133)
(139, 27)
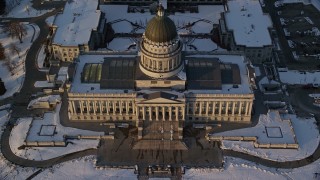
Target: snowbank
(299, 77)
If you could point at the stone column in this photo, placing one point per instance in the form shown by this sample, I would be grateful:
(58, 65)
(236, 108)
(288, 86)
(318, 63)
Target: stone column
(207, 108)
(127, 107)
(214, 108)
(100, 106)
(233, 107)
(114, 107)
(150, 113)
(70, 108)
(163, 113)
(81, 107)
(157, 113)
(227, 108)
(74, 108)
(177, 112)
(247, 108)
(143, 113)
(220, 107)
(94, 107)
(200, 108)
(107, 107)
(250, 109)
(120, 107)
(88, 106)
(170, 113)
(133, 107)
(240, 106)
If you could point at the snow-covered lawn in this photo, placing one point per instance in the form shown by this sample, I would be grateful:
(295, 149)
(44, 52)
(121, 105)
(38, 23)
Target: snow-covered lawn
(84, 168)
(7, 169)
(306, 133)
(298, 77)
(19, 135)
(14, 81)
(236, 168)
(24, 9)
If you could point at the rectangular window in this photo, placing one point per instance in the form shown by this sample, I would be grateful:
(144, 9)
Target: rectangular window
(153, 82)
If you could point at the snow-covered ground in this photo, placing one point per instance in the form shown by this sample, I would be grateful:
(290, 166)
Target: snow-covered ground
(43, 84)
(7, 169)
(41, 56)
(298, 77)
(240, 169)
(36, 133)
(84, 168)
(50, 20)
(24, 9)
(14, 81)
(306, 133)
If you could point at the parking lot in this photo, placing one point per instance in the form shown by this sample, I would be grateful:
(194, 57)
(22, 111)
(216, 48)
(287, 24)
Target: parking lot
(300, 24)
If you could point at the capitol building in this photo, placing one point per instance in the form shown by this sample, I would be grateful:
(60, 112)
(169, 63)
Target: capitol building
(161, 89)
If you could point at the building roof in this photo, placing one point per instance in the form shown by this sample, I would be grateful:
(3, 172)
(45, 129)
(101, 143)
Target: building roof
(160, 95)
(248, 23)
(118, 73)
(161, 28)
(75, 23)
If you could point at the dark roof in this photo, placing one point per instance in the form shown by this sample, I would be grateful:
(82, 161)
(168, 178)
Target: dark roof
(160, 95)
(161, 29)
(203, 74)
(71, 70)
(230, 74)
(206, 73)
(54, 70)
(118, 73)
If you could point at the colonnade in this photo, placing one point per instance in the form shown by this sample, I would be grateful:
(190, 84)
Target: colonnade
(161, 112)
(219, 108)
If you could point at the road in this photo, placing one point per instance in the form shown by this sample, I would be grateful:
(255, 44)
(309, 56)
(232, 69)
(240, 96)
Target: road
(21, 100)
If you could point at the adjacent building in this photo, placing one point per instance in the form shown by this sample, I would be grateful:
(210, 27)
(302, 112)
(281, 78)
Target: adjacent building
(244, 27)
(161, 89)
(79, 28)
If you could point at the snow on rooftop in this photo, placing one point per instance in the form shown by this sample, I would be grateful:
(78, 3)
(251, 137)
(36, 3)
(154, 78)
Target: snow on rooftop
(203, 21)
(78, 87)
(248, 23)
(76, 22)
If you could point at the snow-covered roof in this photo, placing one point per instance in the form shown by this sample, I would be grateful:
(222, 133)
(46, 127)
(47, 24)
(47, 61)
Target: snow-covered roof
(248, 23)
(76, 22)
(244, 88)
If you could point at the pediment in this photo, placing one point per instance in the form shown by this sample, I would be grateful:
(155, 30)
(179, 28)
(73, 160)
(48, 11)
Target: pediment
(160, 100)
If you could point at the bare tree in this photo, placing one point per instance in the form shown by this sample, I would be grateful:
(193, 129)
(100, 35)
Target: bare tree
(16, 30)
(9, 64)
(14, 49)
(2, 52)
